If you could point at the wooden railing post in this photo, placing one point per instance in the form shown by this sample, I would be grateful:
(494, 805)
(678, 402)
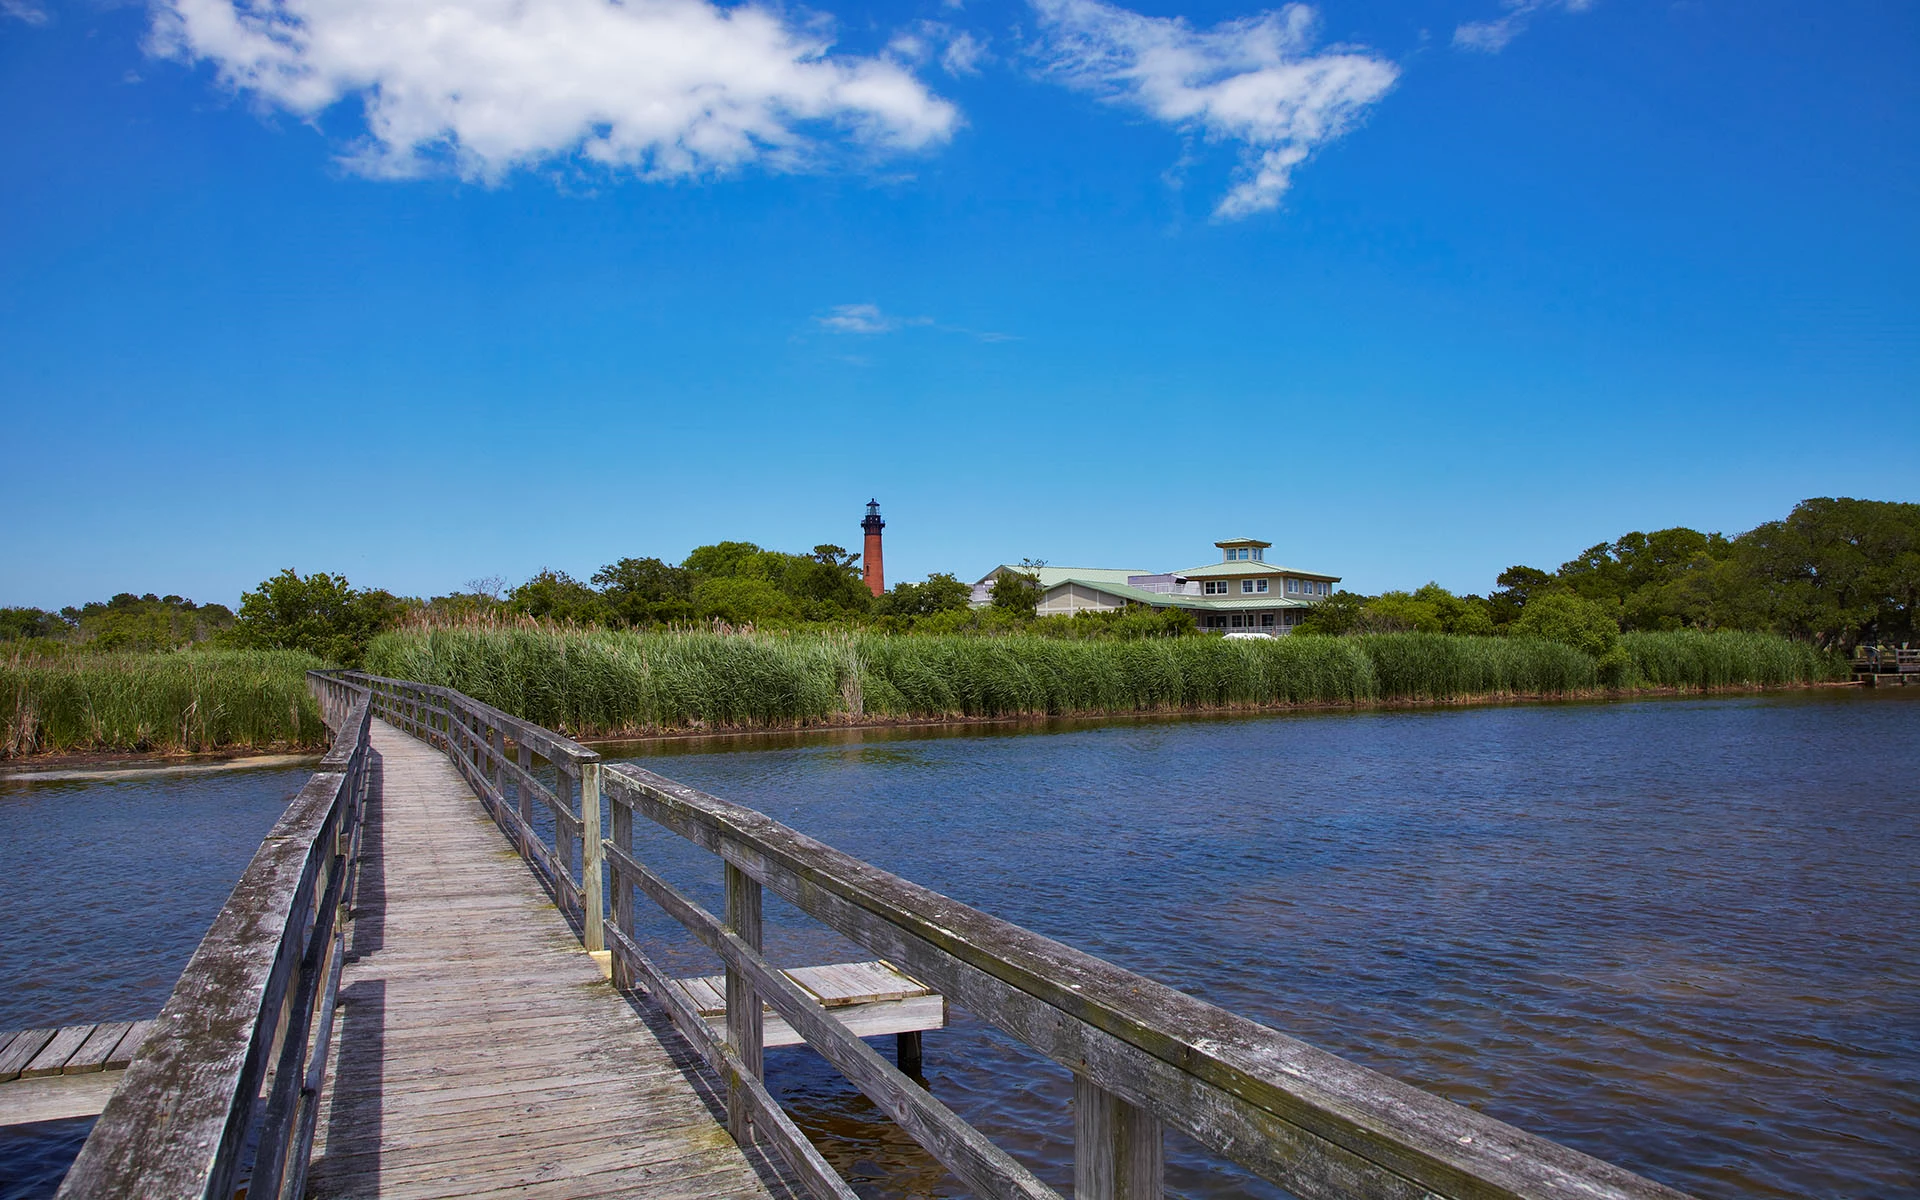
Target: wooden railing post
(592, 890)
(622, 890)
(1118, 1149)
(526, 800)
(562, 836)
(743, 1002)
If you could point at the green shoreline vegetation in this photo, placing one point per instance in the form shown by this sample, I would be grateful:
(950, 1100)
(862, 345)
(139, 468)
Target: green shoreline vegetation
(736, 636)
(605, 683)
(184, 702)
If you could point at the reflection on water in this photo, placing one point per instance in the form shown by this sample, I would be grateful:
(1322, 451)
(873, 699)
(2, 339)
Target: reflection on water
(1683, 935)
(106, 887)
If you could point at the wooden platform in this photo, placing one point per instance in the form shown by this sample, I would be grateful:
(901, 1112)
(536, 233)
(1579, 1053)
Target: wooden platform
(480, 1051)
(870, 998)
(55, 1074)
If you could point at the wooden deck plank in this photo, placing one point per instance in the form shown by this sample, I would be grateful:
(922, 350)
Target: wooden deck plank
(56, 1097)
(92, 1054)
(478, 1049)
(21, 1050)
(129, 1045)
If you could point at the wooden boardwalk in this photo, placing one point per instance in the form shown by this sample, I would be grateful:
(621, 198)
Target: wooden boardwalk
(480, 1051)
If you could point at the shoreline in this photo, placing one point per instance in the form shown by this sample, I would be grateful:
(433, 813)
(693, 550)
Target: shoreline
(1405, 703)
(122, 764)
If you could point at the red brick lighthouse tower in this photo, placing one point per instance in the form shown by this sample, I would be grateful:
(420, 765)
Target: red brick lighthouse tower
(870, 569)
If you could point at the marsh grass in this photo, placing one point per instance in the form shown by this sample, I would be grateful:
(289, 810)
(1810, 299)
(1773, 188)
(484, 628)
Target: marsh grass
(1690, 659)
(596, 682)
(165, 702)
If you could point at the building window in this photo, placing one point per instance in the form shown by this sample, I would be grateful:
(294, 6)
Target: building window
(1293, 585)
(1214, 587)
(1259, 555)
(1236, 620)
(1266, 618)
(1260, 585)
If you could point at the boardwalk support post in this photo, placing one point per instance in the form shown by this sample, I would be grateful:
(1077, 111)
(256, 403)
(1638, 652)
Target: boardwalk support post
(592, 887)
(1118, 1150)
(743, 1002)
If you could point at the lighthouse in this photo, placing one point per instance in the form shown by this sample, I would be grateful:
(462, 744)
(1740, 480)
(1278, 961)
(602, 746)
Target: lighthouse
(871, 572)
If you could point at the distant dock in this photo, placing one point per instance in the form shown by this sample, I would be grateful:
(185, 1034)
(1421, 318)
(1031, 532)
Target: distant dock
(1887, 666)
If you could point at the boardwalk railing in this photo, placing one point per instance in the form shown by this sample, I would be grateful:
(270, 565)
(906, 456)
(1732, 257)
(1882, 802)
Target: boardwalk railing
(1144, 1056)
(222, 1094)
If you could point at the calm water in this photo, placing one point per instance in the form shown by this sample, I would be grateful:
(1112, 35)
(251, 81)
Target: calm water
(1681, 935)
(105, 889)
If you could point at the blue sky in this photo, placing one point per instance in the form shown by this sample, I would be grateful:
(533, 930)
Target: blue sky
(1414, 290)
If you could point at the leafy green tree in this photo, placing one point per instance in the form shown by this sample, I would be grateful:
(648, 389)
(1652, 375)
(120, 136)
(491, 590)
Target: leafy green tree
(940, 593)
(321, 614)
(646, 591)
(1019, 591)
(20, 624)
(1338, 614)
(557, 596)
(1517, 585)
(743, 600)
(1838, 572)
(726, 560)
(828, 583)
(1573, 620)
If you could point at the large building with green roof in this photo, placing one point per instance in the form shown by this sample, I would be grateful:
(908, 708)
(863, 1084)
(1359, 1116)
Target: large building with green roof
(1241, 592)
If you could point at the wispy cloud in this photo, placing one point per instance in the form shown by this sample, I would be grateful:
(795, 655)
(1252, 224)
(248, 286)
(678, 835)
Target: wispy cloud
(957, 51)
(1257, 81)
(870, 319)
(1492, 36)
(866, 319)
(23, 10)
(659, 88)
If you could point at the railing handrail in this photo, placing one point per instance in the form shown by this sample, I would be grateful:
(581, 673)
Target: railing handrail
(225, 1089)
(1294, 1114)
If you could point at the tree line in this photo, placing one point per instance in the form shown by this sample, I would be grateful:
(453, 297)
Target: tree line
(1832, 572)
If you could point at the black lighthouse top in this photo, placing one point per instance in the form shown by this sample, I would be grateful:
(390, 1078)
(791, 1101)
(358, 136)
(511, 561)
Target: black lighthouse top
(873, 523)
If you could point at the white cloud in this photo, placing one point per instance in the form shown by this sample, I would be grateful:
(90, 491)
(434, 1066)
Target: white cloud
(1256, 81)
(23, 10)
(870, 319)
(959, 52)
(865, 318)
(664, 88)
(964, 55)
(1492, 36)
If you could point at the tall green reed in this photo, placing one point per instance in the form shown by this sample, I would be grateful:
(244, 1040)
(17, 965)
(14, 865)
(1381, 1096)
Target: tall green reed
(166, 702)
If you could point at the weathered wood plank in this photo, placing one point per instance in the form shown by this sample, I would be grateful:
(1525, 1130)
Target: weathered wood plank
(124, 1051)
(744, 1029)
(94, 1052)
(21, 1049)
(1119, 1152)
(56, 1097)
(63, 1045)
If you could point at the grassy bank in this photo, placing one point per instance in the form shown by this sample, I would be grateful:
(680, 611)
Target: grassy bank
(168, 702)
(596, 682)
